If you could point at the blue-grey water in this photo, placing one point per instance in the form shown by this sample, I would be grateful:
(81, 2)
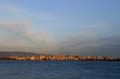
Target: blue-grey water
(59, 70)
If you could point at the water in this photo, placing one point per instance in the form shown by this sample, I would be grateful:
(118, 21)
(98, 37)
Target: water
(59, 70)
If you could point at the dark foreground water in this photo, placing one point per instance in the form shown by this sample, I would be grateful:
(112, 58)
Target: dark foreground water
(59, 70)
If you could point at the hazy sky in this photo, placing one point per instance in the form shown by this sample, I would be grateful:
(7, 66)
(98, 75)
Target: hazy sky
(81, 27)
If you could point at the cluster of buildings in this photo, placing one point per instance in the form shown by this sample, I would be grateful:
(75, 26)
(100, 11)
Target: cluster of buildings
(60, 58)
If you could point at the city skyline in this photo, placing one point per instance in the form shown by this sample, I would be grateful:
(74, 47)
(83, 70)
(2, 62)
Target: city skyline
(81, 27)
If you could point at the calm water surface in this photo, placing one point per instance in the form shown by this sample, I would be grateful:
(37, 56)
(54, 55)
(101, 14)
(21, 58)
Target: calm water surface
(59, 70)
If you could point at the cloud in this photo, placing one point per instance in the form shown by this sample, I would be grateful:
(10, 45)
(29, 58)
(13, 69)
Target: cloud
(99, 46)
(18, 31)
(19, 36)
(89, 41)
(96, 39)
(17, 27)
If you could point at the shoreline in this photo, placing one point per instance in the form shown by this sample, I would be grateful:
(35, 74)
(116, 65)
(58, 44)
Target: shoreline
(60, 58)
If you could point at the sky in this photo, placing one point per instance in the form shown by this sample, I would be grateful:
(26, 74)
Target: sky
(79, 27)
